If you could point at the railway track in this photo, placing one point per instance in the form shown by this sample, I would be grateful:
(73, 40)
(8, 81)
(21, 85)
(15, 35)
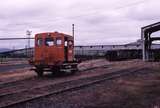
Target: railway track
(36, 93)
(20, 85)
(4, 84)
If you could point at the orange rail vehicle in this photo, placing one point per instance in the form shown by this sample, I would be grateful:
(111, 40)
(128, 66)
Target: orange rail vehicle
(54, 52)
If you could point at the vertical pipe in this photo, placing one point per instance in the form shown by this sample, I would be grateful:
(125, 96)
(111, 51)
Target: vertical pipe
(148, 47)
(143, 45)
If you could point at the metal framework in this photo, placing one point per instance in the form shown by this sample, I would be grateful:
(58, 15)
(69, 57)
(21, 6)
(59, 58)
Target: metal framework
(147, 39)
(15, 38)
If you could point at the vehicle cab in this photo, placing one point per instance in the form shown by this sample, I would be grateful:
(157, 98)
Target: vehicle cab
(53, 50)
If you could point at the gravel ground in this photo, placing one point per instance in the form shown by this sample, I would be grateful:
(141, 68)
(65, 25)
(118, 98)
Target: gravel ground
(25, 73)
(13, 67)
(135, 91)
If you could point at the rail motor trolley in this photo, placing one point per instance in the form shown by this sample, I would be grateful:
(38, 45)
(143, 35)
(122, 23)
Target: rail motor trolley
(54, 52)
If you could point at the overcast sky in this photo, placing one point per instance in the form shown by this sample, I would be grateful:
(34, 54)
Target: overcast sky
(96, 21)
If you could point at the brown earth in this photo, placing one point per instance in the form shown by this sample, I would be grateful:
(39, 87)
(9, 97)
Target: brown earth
(20, 74)
(140, 90)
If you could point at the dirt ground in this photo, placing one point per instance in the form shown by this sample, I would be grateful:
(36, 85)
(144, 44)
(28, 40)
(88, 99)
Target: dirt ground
(140, 90)
(12, 61)
(25, 73)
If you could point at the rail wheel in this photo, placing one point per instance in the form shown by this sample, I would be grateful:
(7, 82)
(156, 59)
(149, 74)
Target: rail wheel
(56, 71)
(39, 71)
(75, 67)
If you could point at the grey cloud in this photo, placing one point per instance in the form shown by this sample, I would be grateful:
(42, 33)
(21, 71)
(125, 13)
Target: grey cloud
(96, 22)
(145, 11)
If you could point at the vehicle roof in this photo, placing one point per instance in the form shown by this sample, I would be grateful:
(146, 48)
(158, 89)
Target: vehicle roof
(54, 34)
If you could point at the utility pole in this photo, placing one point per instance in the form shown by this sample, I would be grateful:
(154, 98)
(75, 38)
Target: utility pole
(73, 30)
(28, 33)
(73, 38)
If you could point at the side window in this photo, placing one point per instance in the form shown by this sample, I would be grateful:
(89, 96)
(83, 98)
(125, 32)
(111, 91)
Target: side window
(65, 43)
(39, 42)
(59, 41)
(49, 41)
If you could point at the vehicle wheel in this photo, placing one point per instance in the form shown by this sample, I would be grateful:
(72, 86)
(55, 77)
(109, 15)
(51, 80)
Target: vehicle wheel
(39, 72)
(56, 71)
(73, 72)
(76, 69)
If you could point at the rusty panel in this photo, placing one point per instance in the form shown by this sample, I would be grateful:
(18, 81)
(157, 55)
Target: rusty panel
(51, 55)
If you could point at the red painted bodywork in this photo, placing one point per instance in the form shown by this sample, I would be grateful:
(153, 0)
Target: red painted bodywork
(56, 54)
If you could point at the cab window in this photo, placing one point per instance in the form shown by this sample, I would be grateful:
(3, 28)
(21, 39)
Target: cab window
(49, 41)
(70, 43)
(39, 42)
(66, 43)
(58, 41)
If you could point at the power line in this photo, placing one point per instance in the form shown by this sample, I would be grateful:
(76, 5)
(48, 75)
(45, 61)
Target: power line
(83, 15)
(96, 12)
(131, 4)
(87, 14)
